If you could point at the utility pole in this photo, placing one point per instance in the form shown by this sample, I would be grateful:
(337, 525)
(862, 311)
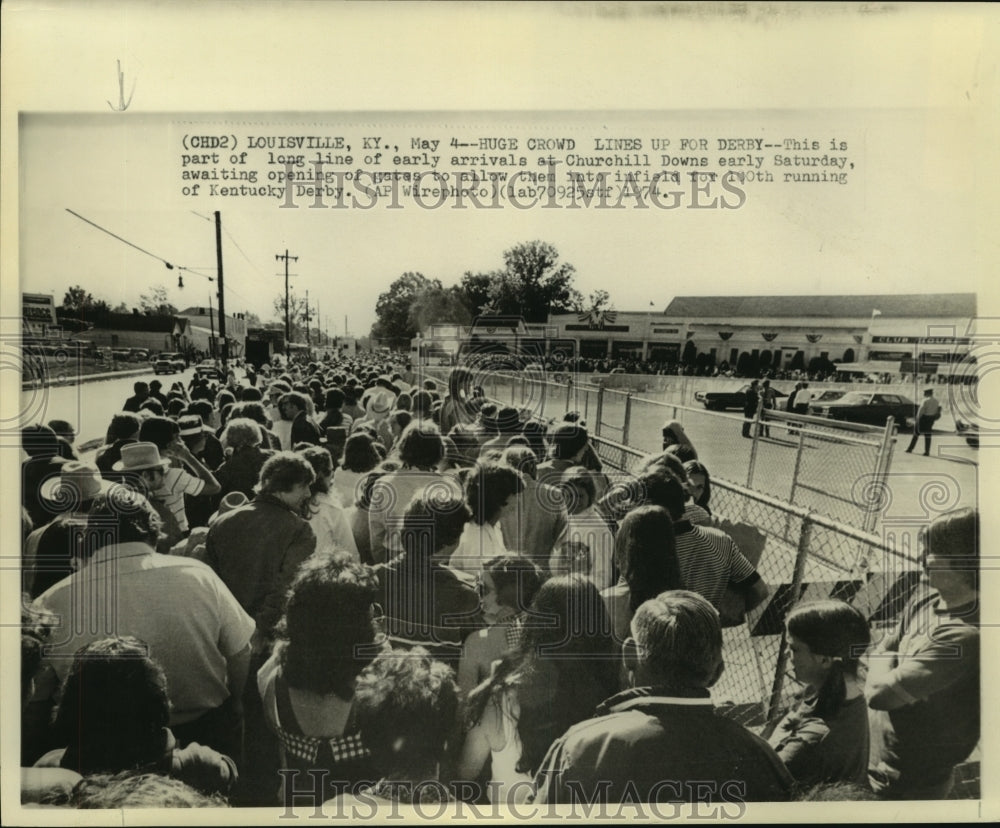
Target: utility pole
(222, 296)
(308, 342)
(211, 325)
(288, 325)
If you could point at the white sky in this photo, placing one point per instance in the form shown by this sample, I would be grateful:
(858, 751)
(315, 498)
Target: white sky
(902, 223)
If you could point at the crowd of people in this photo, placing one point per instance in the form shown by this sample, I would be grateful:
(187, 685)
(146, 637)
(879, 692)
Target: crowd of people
(324, 581)
(828, 371)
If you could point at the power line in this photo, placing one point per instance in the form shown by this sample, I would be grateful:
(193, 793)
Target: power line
(135, 246)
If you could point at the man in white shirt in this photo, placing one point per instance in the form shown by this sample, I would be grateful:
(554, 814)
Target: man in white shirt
(928, 414)
(194, 627)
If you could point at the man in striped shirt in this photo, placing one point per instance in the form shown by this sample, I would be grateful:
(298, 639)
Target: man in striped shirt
(177, 481)
(710, 560)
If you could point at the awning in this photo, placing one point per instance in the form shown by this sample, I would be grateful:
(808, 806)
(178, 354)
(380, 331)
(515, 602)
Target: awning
(869, 367)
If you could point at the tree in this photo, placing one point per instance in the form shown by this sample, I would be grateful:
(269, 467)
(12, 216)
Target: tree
(76, 299)
(599, 309)
(156, 302)
(80, 309)
(393, 326)
(437, 305)
(121, 307)
(475, 291)
(534, 283)
(296, 314)
(252, 320)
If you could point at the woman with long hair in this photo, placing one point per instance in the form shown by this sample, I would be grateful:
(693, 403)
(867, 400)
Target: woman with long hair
(646, 557)
(329, 633)
(674, 435)
(112, 716)
(245, 456)
(419, 451)
(824, 737)
(507, 587)
(491, 490)
(699, 484)
(333, 403)
(456, 408)
(360, 457)
(561, 670)
(322, 509)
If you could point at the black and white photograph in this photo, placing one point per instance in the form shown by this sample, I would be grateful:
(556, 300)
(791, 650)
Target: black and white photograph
(507, 412)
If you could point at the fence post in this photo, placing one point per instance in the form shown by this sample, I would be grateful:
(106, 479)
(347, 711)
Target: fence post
(569, 393)
(798, 465)
(600, 409)
(777, 685)
(881, 470)
(541, 397)
(628, 418)
(756, 440)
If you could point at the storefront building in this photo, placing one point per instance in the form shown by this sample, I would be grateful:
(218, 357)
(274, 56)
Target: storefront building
(872, 333)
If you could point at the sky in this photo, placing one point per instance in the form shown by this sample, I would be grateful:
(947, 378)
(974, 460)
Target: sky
(902, 222)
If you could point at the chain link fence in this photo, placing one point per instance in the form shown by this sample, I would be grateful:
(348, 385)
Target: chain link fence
(834, 468)
(802, 556)
(790, 495)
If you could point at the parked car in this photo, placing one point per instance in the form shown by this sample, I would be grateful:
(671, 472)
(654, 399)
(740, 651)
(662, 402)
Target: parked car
(866, 407)
(723, 400)
(168, 363)
(968, 431)
(208, 369)
(120, 354)
(827, 396)
(138, 354)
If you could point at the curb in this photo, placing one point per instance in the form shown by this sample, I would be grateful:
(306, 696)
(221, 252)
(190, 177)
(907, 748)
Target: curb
(86, 378)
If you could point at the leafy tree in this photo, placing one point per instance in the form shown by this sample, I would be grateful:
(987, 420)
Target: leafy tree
(76, 299)
(296, 314)
(81, 309)
(394, 326)
(156, 302)
(534, 283)
(598, 309)
(121, 307)
(475, 291)
(437, 305)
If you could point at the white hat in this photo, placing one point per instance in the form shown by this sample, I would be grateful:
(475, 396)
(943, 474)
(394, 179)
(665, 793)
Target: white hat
(139, 457)
(75, 482)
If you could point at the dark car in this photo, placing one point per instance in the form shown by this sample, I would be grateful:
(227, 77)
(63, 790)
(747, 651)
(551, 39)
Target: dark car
(868, 408)
(723, 400)
(827, 396)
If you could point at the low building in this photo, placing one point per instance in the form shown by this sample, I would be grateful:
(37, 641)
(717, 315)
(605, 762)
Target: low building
(197, 329)
(132, 330)
(877, 333)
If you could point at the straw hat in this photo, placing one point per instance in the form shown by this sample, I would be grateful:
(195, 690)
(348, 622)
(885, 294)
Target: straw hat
(76, 481)
(229, 503)
(139, 457)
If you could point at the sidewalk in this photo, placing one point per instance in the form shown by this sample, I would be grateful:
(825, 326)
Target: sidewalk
(48, 382)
